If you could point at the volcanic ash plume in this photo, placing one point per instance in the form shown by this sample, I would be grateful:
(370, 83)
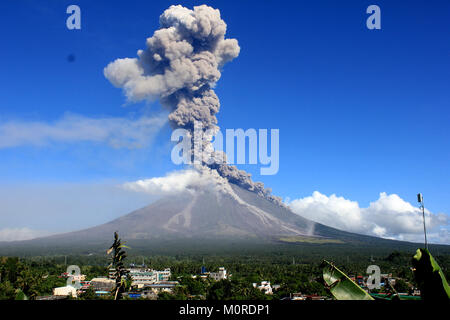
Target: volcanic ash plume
(180, 66)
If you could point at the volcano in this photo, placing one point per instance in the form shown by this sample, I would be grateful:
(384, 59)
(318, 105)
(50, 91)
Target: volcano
(210, 219)
(208, 213)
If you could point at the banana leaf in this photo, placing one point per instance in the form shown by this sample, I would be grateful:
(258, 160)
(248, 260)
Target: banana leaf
(429, 277)
(20, 295)
(341, 286)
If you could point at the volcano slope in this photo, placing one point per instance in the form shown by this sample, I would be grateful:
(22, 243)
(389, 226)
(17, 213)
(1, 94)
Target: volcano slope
(207, 219)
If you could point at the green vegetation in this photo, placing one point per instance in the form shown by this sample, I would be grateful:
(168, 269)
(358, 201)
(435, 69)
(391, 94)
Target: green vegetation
(340, 286)
(26, 280)
(120, 272)
(429, 276)
(294, 268)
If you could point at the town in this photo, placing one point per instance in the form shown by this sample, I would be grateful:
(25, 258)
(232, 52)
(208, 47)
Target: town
(147, 283)
(255, 275)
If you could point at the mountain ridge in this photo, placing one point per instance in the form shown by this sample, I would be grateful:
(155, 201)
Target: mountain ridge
(206, 213)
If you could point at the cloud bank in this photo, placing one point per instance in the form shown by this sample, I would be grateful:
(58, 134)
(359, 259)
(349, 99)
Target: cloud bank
(117, 132)
(389, 217)
(173, 182)
(192, 180)
(17, 234)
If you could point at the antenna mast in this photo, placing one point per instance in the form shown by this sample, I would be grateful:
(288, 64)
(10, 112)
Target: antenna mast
(422, 206)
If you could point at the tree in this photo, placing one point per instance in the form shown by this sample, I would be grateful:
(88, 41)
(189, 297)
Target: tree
(194, 286)
(401, 286)
(221, 290)
(121, 275)
(7, 291)
(89, 294)
(28, 282)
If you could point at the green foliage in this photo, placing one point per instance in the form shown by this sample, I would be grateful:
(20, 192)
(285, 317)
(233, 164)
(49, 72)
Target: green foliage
(394, 257)
(7, 291)
(92, 271)
(20, 295)
(246, 266)
(401, 286)
(89, 294)
(20, 280)
(220, 290)
(167, 296)
(194, 286)
(234, 290)
(429, 276)
(121, 274)
(340, 286)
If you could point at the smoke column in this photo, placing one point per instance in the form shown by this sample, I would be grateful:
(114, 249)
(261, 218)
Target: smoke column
(180, 66)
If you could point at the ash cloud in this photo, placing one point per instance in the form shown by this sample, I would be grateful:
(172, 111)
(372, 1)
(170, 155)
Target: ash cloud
(180, 66)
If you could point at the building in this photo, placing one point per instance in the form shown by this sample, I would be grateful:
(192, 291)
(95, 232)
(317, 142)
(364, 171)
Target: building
(162, 275)
(264, 287)
(102, 284)
(297, 296)
(85, 285)
(387, 280)
(221, 275)
(301, 296)
(65, 291)
(148, 294)
(75, 277)
(165, 286)
(143, 277)
(314, 297)
(111, 272)
(275, 287)
(133, 295)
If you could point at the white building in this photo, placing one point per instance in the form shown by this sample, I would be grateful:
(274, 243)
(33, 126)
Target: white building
(165, 286)
(145, 277)
(221, 275)
(65, 291)
(265, 287)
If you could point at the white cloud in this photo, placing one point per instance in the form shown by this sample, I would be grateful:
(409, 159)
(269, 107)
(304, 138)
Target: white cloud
(173, 182)
(117, 132)
(16, 234)
(388, 217)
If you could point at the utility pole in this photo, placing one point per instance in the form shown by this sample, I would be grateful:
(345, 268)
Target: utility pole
(422, 206)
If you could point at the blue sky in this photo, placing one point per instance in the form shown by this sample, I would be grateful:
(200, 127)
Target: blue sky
(359, 111)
